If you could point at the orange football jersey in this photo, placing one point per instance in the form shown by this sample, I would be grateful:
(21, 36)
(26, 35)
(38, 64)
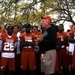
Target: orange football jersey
(8, 42)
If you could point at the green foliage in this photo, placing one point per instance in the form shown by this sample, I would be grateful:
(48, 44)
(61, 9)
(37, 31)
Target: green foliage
(17, 12)
(13, 1)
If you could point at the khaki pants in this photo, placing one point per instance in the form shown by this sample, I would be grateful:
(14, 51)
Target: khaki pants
(48, 60)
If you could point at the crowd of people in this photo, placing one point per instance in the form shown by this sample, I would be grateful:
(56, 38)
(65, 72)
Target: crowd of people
(34, 52)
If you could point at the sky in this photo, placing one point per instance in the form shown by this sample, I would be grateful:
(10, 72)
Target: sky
(66, 24)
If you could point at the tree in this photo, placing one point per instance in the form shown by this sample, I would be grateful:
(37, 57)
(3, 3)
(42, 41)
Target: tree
(22, 12)
(65, 9)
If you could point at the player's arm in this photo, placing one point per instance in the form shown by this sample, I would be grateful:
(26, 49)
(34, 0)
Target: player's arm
(23, 42)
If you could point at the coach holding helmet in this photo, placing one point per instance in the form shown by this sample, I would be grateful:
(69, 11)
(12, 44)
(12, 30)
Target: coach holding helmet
(47, 44)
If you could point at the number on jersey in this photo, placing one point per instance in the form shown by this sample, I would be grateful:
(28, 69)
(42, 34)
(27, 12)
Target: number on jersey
(8, 46)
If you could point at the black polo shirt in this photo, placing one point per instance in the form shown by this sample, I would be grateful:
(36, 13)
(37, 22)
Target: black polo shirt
(48, 39)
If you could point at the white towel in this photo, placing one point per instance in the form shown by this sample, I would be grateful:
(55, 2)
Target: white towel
(71, 47)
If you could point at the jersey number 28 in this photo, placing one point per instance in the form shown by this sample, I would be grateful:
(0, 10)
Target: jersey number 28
(8, 46)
